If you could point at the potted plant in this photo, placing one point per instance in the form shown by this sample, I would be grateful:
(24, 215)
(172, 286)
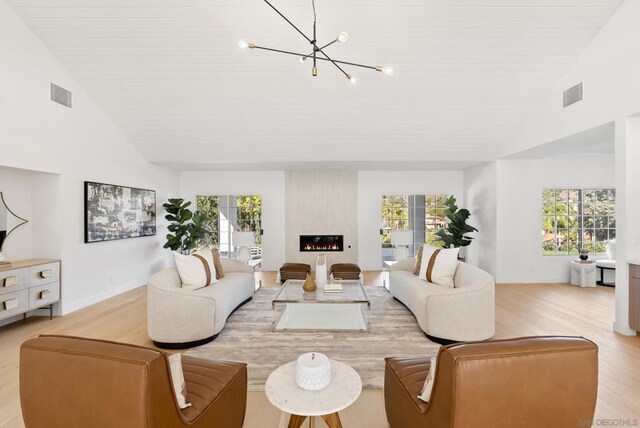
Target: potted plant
(186, 228)
(453, 235)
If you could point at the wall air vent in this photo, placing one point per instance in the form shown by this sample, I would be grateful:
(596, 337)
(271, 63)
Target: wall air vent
(572, 95)
(60, 95)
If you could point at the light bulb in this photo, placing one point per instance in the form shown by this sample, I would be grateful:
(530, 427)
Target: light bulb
(243, 44)
(302, 59)
(342, 37)
(353, 80)
(388, 70)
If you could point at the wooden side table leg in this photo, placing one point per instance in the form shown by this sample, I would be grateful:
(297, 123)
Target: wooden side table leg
(332, 420)
(296, 421)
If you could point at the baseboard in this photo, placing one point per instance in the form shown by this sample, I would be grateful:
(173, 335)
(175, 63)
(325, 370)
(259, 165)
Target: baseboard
(72, 307)
(624, 330)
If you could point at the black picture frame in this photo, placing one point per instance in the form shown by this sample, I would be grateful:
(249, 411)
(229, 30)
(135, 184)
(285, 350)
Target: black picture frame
(122, 220)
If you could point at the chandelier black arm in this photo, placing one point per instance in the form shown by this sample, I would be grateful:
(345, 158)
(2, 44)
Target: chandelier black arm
(290, 23)
(334, 63)
(320, 58)
(328, 44)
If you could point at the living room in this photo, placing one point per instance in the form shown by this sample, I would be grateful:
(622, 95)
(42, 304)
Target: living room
(527, 113)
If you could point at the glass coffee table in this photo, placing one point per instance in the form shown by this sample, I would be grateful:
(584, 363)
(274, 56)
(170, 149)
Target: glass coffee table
(295, 309)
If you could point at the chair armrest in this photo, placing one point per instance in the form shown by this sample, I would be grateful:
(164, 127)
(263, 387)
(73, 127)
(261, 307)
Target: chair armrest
(406, 264)
(462, 313)
(235, 266)
(177, 315)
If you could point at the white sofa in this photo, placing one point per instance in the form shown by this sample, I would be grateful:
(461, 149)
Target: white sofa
(463, 313)
(182, 318)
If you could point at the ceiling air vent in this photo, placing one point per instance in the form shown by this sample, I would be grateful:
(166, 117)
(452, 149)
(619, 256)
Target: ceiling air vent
(572, 95)
(60, 95)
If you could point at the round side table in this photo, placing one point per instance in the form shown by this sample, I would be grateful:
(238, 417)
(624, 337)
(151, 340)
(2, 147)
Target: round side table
(283, 392)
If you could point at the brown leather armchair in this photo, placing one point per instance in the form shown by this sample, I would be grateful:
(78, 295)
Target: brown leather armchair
(529, 382)
(73, 382)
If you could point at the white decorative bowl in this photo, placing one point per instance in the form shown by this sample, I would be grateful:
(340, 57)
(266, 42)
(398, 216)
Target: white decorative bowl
(313, 371)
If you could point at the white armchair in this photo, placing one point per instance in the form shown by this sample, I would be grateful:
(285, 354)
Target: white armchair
(182, 318)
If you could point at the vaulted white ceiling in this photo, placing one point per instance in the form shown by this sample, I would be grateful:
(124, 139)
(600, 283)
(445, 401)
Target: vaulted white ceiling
(171, 75)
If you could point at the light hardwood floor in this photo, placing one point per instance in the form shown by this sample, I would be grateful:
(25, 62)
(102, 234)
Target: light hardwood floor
(521, 310)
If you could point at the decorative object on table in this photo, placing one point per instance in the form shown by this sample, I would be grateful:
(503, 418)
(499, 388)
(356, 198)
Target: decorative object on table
(9, 222)
(186, 227)
(309, 284)
(321, 270)
(318, 52)
(584, 253)
(401, 239)
(454, 234)
(333, 286)
(313, 371)
(118, 212)
(242, 241)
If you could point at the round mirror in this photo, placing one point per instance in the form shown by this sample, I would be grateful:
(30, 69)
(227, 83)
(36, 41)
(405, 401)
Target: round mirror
(8, 223)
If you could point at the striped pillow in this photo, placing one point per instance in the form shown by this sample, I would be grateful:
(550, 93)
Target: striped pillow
(196, 270)
(438, 265)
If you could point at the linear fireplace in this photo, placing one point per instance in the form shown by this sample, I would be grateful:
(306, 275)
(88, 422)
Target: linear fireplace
(321, 243)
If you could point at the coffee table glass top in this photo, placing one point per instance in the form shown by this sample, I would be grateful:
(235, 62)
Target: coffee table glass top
(292, 292)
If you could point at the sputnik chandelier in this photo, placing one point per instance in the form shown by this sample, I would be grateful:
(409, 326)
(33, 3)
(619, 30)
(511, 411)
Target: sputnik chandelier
(318, 53)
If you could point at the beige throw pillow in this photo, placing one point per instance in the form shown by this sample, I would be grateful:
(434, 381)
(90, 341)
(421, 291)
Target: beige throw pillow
(196, 270)
(438, 265)
(427, 389)
(177, 378)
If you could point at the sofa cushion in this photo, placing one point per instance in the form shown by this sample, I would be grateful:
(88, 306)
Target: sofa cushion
(196, 270)
(229, 293)
(438, 265)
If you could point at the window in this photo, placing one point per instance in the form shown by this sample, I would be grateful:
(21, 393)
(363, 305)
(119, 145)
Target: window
(424, 214)
(225, 214)
(573, 218)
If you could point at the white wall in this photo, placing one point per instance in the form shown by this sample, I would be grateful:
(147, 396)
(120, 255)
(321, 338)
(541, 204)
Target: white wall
(268, 184)
(610, 70)
(480, 196)
(519, 219)
(78, 144)
(321, 203)
(373, 184)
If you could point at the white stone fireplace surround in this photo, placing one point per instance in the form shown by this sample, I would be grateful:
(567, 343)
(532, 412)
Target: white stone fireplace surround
(321, 203)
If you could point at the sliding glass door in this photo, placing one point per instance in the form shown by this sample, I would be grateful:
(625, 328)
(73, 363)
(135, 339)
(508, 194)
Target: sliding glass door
(225, 214)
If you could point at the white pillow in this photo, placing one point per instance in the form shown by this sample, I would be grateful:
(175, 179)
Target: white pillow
(197, 269)
(177, 378)
(428, 383)
(438, 265)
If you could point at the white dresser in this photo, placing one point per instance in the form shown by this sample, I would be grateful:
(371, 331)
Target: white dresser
(26, 285)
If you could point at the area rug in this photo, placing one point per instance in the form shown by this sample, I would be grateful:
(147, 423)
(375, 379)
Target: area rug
(247, 337)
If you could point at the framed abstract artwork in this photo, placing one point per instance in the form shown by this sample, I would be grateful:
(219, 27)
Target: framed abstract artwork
(117, 212)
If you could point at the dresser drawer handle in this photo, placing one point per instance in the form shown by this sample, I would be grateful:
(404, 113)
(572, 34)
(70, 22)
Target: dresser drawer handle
(10, 304)
(46, 273)
(10, 281)
(44, 294)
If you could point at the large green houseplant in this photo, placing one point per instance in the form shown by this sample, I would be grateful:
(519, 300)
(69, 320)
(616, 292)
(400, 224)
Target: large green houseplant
(453, 235)
(186, 228)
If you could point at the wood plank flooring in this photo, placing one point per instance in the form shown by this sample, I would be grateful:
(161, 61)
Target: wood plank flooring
(521, 310)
